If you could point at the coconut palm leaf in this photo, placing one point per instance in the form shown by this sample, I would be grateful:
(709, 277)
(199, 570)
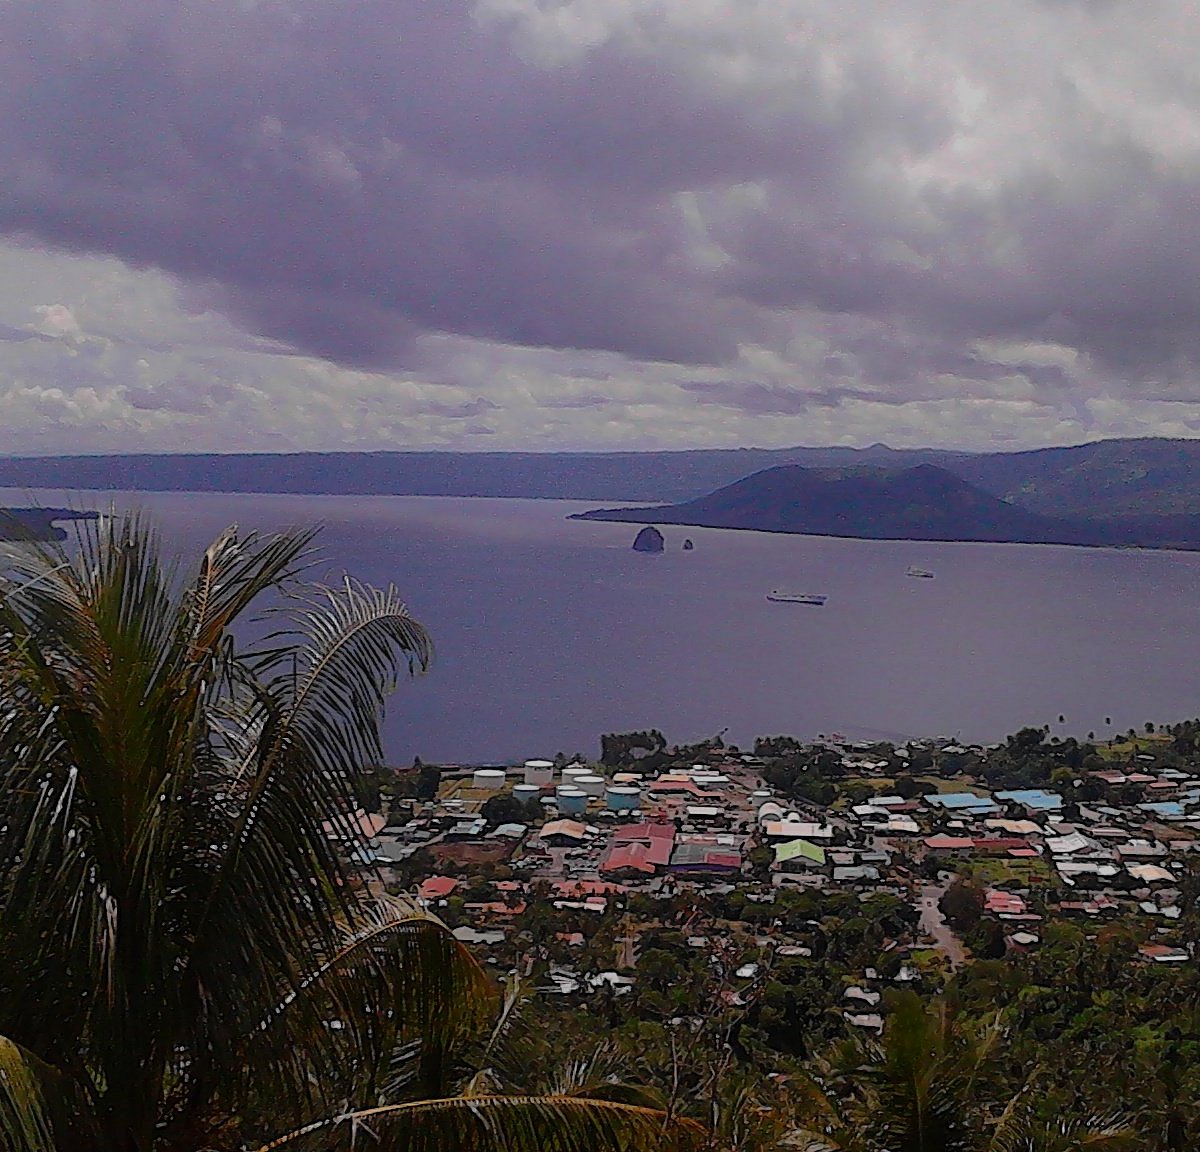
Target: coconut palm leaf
(500, 1123)
(401, 991)
(126, 811)
(913, 1090)
(1022, 1126)
(24, 1119)
(510, 1061)
(603, 1074)
(290, 787)
(1021, 1130)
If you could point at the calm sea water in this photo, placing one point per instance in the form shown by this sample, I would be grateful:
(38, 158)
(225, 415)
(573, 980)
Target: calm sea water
(550, 631)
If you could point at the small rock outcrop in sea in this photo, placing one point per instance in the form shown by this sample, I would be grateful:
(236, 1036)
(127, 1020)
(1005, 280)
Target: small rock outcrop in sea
(688, 545)
(649, 539)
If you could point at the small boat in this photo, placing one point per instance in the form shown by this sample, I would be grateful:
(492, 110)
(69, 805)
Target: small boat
(777, 597)
(921, 573)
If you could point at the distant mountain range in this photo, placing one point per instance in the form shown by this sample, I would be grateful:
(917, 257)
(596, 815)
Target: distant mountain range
(1100, 481)
(920, 503)
(529, 475)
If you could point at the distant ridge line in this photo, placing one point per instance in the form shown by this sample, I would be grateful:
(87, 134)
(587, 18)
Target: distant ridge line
(1101, 478)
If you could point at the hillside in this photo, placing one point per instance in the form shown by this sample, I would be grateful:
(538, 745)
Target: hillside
(644, 476)
(1098, 481)
(1105, 479)
(921, 503)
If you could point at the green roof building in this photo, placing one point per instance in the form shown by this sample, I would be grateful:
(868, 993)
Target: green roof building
(797, 854)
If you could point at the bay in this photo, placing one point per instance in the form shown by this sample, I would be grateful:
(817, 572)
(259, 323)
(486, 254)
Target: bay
(551, 631)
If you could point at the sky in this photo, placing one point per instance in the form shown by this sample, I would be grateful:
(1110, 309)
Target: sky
(597, 224)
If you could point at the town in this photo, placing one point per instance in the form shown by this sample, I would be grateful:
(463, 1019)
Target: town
(721, 844)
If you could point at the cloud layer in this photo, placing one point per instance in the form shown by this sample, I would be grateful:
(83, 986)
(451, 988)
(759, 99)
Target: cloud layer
(602, 222)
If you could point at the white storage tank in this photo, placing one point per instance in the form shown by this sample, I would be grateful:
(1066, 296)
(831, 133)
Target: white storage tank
(539, 772)
(572, 801)
(574, 771)
(592, 785)
(489, 778)
(622, 798)
(526, 793)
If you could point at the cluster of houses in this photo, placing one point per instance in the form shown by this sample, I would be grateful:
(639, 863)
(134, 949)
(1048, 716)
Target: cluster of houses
(594, 840)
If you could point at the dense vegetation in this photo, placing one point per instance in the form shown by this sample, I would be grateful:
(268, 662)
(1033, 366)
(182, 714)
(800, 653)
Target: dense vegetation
(1033, 1051)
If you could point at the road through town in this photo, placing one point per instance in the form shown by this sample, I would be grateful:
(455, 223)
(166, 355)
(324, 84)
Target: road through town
(933, 925)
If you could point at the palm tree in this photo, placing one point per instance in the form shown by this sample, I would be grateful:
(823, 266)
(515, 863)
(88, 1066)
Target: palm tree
(187, 958)
(920, 1088)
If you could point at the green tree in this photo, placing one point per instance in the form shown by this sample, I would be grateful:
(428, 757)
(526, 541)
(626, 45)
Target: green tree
(962, 904)
(624, 749)
(187, 959)
(429, 780)
(986, 939)
(504, 809)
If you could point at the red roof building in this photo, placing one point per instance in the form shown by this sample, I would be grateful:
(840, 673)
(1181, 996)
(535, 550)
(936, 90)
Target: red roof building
(436, 888)
(1003, 903)
(640, 849)
(943, 843)
(1000, 845)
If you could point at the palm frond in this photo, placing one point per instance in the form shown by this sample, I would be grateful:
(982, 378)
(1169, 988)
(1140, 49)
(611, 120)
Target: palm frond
(509, 1015)
(602, 1074)
(346, 649)
(400, 992)
(24, 1121)
(41, 1110)
(300, 727)
(1020, 1130)
(502, 1124)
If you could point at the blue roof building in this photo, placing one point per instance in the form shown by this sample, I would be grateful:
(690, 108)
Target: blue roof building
(962, 802)
(1034, 799)
(1167, 809)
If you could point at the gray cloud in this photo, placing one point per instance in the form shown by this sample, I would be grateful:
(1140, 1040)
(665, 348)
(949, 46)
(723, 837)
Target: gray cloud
(787, 209)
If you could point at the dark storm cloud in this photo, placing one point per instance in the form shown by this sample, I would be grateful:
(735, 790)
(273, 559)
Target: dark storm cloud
(345, 175)
(348, 177)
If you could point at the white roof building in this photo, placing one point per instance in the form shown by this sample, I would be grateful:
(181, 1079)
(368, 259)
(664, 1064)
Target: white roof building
(1070, 845)
(1149, 873)
(793, 829)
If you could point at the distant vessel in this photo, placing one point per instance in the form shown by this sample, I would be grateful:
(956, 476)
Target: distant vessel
(777, 597)
(923, 573)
